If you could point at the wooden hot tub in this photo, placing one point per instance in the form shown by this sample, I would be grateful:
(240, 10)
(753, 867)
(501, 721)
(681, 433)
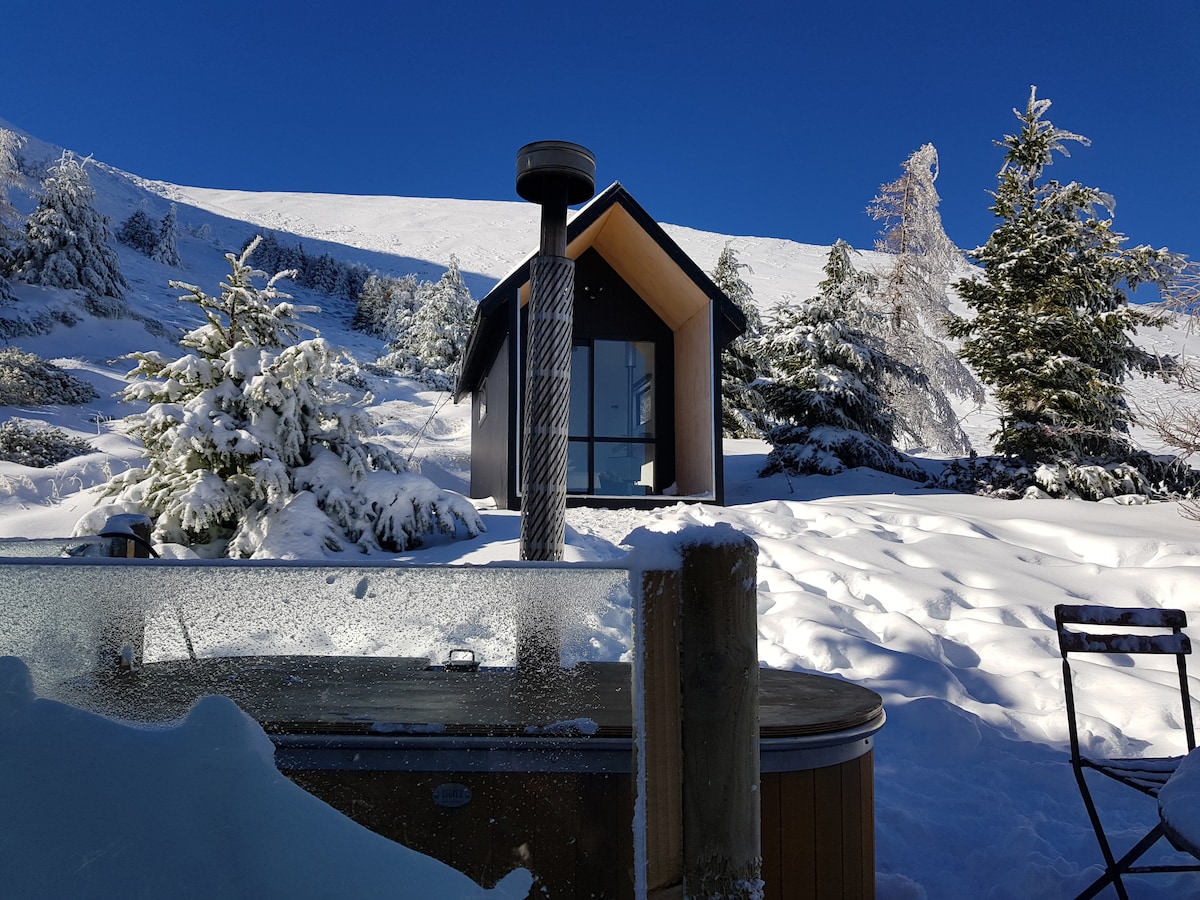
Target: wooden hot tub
(487, 771)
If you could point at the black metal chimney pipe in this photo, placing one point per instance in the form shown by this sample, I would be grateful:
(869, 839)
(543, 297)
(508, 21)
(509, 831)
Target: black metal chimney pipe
(555, 175)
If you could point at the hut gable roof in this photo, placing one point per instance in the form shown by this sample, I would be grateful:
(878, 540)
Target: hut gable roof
(638, 249)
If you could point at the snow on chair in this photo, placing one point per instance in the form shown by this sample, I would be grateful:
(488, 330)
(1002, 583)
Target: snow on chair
(1145, 774)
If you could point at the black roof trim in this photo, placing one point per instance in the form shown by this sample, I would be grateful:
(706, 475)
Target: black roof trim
(488, 329)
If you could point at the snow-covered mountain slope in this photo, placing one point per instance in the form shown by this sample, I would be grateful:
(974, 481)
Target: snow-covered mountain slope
(489, 237)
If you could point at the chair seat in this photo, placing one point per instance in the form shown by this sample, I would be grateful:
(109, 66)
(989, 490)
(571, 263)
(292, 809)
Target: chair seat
(1147, 774)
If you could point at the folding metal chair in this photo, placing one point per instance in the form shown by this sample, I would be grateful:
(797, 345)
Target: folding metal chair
(1146, 775)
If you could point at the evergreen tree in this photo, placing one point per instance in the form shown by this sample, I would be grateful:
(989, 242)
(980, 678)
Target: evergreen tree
(913, 294)
(430, 348)
(139, 231)
(267, 254)
(10, 176)
(382, 302)
(10, 172)
(404, 296)
(322, 273)
(166, 248)
(245, 434)
(350, 281)
(825, 384)
(741, 405)
(66, 242)
(1053, 329)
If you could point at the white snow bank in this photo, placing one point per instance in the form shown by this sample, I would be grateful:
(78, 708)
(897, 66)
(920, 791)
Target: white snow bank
(95, 808)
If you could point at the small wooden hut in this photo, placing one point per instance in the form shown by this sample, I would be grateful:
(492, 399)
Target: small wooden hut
(649, 327)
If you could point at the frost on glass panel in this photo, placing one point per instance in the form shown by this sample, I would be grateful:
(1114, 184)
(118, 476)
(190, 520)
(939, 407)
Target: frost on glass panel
(55, 547)
(72, 621)
(55, 624)
(376, 612)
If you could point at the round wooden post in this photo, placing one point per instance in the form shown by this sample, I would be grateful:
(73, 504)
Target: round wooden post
(719, 680)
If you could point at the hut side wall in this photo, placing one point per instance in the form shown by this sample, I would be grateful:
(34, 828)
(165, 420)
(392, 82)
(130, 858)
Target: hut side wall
(491, 412)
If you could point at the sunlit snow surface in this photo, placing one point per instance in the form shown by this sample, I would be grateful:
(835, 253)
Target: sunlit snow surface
(941, 603)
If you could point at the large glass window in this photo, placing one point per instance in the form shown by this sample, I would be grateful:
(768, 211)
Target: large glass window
(613, 415)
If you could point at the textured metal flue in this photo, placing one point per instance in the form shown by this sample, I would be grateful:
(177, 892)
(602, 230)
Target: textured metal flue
(553, 174)
(547, 408)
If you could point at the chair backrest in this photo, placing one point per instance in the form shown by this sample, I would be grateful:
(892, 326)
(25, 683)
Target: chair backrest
(1169, 640)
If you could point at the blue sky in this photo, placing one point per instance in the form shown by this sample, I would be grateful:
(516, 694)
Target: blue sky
(772, 119)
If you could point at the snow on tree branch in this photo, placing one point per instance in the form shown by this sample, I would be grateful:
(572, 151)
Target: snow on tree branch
(253, 452)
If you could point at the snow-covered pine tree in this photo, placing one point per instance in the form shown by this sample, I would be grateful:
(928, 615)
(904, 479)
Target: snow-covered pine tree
(371, 303)
(66, 242)
(321, 274)
(1052, 330)
(139, 231)
(268, 253)
(251, 452)
(825, 381)
(166, 242)
(10, 171)
(10, 176)
(404, 295)
(382, 303)
(350, 280)
(913, 294)
(741, 405)
(431, 347)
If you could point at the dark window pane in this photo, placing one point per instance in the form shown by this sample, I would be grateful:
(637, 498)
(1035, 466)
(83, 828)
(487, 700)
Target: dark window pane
(624, 469)
(624, 389)
(581, 389)
(578, 476)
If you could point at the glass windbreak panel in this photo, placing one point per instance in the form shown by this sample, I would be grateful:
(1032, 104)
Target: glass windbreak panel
(624, 389)
(289, 642)
(578, 471)
(624, 469)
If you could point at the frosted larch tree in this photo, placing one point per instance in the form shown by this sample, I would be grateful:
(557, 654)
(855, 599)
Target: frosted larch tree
(913, 293)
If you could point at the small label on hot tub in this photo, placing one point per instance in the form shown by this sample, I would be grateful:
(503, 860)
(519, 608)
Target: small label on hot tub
(452, 796)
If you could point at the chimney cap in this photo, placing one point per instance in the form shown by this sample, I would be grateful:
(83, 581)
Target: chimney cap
(549, 170)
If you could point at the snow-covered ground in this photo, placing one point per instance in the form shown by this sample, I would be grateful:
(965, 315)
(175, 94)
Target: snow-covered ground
(942, 603)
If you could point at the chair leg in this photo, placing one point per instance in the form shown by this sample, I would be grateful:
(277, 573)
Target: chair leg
(1112, 873)
(1109, 877)
(1114, 868)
